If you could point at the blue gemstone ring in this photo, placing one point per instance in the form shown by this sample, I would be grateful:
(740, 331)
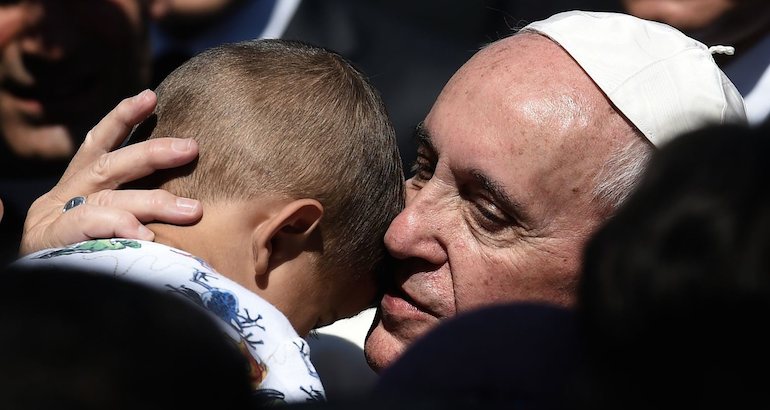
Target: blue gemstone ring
(76, 201)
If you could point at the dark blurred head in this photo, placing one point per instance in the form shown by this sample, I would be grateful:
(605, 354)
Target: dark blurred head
(676, 287)
(63, 65)
(72, 340)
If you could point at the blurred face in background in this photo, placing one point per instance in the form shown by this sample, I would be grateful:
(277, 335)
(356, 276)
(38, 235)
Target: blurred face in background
(193, 7)
(712, 21)
(63, 65)
(186, 18)
(682, 14)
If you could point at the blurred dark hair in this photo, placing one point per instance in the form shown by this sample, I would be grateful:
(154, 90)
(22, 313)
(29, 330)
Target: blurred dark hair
(72, 340)
(676, 287)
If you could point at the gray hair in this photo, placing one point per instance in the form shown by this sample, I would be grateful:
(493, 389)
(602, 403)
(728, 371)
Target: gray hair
(618, 178)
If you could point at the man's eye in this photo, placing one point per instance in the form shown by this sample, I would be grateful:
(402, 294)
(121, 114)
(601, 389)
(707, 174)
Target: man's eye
(490, 216)
(422, 169)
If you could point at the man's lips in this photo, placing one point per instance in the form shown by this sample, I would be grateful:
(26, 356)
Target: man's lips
(397, 304)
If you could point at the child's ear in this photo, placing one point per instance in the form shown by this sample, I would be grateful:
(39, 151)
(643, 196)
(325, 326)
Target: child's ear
(286, 234)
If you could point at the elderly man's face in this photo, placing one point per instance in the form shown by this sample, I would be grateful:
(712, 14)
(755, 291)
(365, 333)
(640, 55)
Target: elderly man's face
(63, 64)
(502, 201)
(191, 8)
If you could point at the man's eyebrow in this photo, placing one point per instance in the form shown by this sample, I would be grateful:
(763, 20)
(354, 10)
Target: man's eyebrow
(423, 138)
(498, 193)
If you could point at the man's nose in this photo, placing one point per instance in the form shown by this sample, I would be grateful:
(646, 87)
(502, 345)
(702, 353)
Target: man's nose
(417, 231)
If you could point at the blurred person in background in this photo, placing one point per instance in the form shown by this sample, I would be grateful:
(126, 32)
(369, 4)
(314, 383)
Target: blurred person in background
(743, 24)
(183, 28)
(63, 64)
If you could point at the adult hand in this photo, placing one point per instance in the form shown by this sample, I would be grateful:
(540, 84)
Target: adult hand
(96, 172)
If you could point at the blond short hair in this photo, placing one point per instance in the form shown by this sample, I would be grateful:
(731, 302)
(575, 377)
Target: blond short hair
(276, 116)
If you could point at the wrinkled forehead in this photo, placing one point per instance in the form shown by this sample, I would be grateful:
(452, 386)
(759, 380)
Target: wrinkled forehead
(534, 63)
(522, 111)
(526, 89)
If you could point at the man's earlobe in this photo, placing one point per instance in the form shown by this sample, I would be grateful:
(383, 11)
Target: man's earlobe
(286, 234)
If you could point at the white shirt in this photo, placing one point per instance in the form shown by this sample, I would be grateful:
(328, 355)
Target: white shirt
(279, 358)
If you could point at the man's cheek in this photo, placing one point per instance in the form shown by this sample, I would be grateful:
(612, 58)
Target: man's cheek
(490, 277)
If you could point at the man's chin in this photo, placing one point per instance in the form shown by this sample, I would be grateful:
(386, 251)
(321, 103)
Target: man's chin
(391, 335)
(382, 348)
(398, 323)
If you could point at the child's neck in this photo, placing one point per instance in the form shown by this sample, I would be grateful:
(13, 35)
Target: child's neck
(226, 250)
(224, 238)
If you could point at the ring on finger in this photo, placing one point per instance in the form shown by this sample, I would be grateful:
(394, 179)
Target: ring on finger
(74, 202)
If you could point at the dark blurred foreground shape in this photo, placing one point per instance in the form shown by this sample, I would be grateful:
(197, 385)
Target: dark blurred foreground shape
(72, 340)
(675, 293)
(520, 356)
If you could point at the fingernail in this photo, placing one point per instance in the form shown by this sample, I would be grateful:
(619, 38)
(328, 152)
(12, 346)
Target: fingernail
(144, 233)
(188, 206)
(181, 145)
(143, 95)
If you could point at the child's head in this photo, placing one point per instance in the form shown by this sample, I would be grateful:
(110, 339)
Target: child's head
(280, 119)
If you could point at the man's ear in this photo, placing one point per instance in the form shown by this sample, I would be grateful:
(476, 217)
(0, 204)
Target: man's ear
(286, 234)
